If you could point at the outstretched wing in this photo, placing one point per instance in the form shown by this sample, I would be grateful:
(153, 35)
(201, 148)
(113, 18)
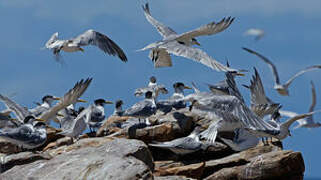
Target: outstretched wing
(208, 29)
(161, 28)
(310, 68)
(95, 38)
(70, 97)
(52, 39)
(266, 60)
(195, 54)
(19, 111)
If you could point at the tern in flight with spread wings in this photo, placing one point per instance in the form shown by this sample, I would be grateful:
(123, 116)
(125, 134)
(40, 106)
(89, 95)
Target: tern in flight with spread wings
(282, 88)
(307, 122)
(90, 37)
(181, 44)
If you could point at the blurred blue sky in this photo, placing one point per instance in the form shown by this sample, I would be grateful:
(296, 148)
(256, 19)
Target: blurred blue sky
(292, 42)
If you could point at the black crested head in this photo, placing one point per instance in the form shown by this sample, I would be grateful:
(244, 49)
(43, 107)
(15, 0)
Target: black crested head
(178, 84)
(45, 98)
(119, 103)
(152, 79)
(276, 115)
(148, 94)
(40, 124)
(80, 109)
(100, 102)
(28, 119)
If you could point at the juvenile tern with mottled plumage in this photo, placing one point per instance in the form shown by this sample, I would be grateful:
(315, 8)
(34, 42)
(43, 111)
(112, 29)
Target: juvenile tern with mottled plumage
(282, 88)
(181, 44)
(31, 134)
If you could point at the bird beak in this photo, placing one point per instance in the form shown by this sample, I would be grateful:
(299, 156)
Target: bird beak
(60, 115)
(108, 102)
(56, 98)
(81, 100)
(13, 119)
(240, 74)
(41, 120)
(197, 43)
(187, 87)
(81, 49)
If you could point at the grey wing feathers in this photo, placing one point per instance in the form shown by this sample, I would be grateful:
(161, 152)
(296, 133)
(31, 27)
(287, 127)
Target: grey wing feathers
(314, 97)
(70, 97)
(20, 112)
(160, 57)
(310, 68)
(161, 28)
(266, 60)
(92, 37)
(208, 29)
(197, 55)
(233, 90)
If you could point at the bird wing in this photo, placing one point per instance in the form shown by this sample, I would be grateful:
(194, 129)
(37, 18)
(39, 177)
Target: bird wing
(196, 90)
(95, 38)
(52, 39)
(258, 96)
(195, 54)
(138, 107)
(233, 90)
(19, 111)
(70, 97)
(160, 57)
(310, 68)
(266, 60)
(141, 91)
(313, 103)
(161, 28)
(290, 121)
(208, 29)
(38, 110)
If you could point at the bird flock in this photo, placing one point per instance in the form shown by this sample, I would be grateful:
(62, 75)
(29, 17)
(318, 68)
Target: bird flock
(223, 104)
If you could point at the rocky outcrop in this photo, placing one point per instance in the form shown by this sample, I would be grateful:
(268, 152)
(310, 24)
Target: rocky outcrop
(91, 158)
(124, 154)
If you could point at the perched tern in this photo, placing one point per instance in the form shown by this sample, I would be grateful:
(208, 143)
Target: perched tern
(96, 113)
(29, 135)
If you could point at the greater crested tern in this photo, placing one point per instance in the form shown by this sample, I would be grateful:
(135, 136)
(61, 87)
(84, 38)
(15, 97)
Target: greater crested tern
(71, 97)
(181, 44)
(307, 122)
(257, 33)
(118, 108)
(155, 88)
(142, 109)
(96, 113)
(230, 113)
(31, 134)
(282, 88)
(184, 145)
(75, 123)
(176, 101)
(261, 105)
(46, 105)
(90, 37)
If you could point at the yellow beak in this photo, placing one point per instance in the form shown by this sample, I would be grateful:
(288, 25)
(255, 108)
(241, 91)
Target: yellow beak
(81, 49)
(187, 87)
(56, 98)
(60, 115)
(240, 74)
(81, 100)
(108, 102)
(41, 120)
(197, 43)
